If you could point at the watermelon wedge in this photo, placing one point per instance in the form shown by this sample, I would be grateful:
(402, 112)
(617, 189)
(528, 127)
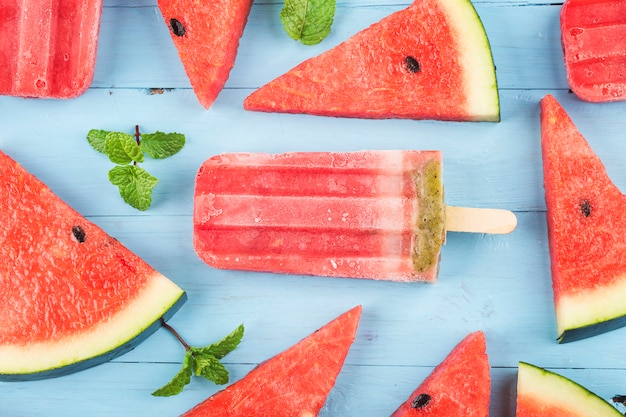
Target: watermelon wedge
(593, 36)
(431, 60)
(48, 48)
(542, 393)
(71, 296)
(295, 382)
(206, 35)
(459, 386)
(586, 227)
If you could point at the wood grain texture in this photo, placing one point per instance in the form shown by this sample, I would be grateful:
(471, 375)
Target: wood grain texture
(500, 284)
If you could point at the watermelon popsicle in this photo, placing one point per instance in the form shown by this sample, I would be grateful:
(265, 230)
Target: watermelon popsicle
(367, 214)
(48, 48)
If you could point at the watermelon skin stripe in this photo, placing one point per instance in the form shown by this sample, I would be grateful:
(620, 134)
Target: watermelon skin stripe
(366, 76)
(51, 357)
(586, 222)
(579, 318)
(545, 393)
(71, 296)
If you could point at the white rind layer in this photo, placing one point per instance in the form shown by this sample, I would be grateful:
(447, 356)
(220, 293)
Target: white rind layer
(159, 295)
(549, 389)
(591, 307)
(475, 57)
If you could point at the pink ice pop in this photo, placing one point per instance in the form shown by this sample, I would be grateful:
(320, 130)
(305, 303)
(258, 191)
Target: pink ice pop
(370, 214)
(48, 48)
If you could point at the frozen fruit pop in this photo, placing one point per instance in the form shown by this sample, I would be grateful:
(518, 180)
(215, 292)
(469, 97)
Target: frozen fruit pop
(593, 36)
(369, 214)
(48, 48)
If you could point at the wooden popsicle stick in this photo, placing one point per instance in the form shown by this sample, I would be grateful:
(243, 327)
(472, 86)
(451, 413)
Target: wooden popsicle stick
(479, 220)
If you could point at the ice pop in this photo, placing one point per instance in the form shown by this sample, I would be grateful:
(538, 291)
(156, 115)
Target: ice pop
(368, 214)
(48, 48)
(593, 37)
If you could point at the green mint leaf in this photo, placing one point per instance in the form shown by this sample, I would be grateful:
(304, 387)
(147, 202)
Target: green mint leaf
(135, 185)
(224, 346)
(182, 378)
(97, 138)
(161, 145)
(122, 149)
(210, 368)
(308, 21)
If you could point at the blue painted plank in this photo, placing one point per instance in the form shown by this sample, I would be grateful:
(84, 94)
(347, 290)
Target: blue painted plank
(500, 284)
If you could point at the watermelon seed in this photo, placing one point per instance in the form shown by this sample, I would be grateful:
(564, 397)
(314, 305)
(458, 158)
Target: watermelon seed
(177, 27)
(420, 401)
(621, 399)
(78, 233)
(411, 64)
(585, 208)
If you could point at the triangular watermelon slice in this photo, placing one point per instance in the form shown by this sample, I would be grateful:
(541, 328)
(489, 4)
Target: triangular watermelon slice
(542, 393)
(431, 60)
(295, 382)
(71, 296)
(586, 228)
(206, 35)
(459, 386)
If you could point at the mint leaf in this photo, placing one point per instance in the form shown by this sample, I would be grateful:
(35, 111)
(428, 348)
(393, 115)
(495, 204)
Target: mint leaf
(202, 361)
(96, 139)
(122, 149)
(308, 21)
(224, 346)
(135, 185)
(182, 378)
(161, 145)
(210, 368)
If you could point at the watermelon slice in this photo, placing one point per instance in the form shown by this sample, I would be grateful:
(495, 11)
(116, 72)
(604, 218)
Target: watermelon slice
(206, 35)
(593, 35)
(542, 393)
(71, 296)
(431, 60)
(459, 386)
(295, 382)
(48, 48)
(586, 227)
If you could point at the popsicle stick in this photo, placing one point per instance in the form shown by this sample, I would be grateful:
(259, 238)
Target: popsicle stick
(479, 220)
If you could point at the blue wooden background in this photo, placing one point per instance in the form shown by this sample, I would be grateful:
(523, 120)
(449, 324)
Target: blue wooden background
(499, 284)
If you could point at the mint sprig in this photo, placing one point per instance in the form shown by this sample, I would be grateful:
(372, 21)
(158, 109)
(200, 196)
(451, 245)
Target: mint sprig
(201, 361)
(308, 21)
(127, 151)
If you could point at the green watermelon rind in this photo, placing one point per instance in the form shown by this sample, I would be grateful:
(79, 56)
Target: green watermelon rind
(121, 334)
(473, 94)
(591, 313)
(551, 389)
(479, 69)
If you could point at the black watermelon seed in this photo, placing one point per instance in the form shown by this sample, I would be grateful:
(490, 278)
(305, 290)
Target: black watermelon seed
(585, 208)
(412, 64)
(78, 233)
(177, 27)
(420, 401)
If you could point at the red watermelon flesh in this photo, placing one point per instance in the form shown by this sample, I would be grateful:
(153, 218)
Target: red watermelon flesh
(586, 228)
(459, 386)
(295, 382)
(48, 48)
(593, 34)
(206, 35)
(71, 296)
(431, 60)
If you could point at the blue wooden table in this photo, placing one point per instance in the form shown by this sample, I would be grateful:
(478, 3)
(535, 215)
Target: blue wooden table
(498, 284)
